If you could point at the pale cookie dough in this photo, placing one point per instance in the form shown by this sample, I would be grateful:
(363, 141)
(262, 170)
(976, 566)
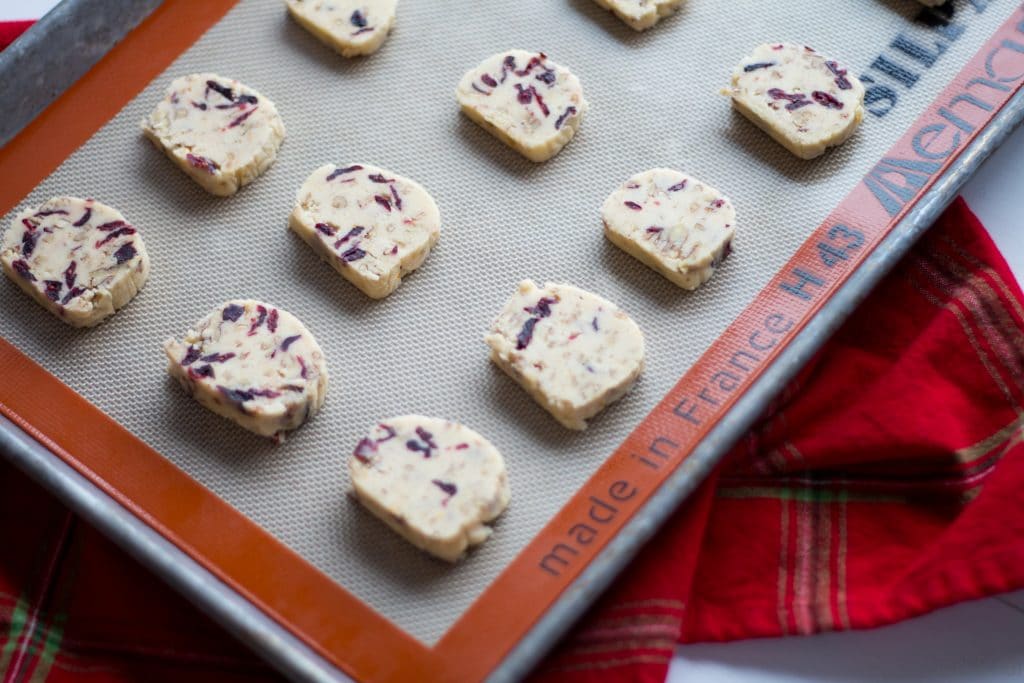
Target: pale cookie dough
(435, 482)
(641, 14)
(221, 133)
(574, 352)
(671, 222)
(351, 27)
(371, 225)
(528, 102)
(804, 100)
(252, 363)
(78, 258)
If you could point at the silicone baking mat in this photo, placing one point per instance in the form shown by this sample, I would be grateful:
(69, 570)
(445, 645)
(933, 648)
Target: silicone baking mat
(654, 102)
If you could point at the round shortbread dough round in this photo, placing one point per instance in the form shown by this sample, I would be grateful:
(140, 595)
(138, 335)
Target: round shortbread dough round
(222, 133)
(671, 222)
(435, 482)
(80, 259)
(573, 351)
(641, 14)
(802, 99)
(252, 363)
(524, 99)
(350, 27)
(371, 225)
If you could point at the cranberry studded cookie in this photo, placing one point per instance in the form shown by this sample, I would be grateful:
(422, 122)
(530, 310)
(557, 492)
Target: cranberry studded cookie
(525, 100)
(80, 259)
(641, 14)
(371, 225)
(351, 27)
(435, 482)
(221, 133)
(672, 223)
(804, 100)
(572, 351)
(252, 363)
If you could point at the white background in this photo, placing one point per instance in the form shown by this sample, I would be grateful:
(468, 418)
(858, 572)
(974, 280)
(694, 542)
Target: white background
(978, 642)
(11, 10)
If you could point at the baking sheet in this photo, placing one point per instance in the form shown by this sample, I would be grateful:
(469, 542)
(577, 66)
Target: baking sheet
(653, 103)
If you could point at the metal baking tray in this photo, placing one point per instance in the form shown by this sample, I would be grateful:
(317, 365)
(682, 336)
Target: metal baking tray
(263, 538)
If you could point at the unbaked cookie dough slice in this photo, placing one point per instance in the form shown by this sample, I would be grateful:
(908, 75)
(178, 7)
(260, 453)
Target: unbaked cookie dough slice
(435, 482)
(641, 14)
(252, 363)
(574, 352)
(804, 100)
(671, 222)
(221, 133)
(351, 27)
(371, 225)
(527, 101)
(78, 258)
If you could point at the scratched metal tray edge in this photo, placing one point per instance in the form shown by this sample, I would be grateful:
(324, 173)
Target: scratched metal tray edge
(85, 30)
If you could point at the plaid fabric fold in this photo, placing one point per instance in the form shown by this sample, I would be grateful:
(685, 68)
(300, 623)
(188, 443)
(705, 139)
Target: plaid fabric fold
(73, 607)
(10, 30)
(884, 483)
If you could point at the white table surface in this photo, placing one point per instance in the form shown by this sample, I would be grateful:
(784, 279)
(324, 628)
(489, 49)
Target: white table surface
(977, 642)
(15, 10)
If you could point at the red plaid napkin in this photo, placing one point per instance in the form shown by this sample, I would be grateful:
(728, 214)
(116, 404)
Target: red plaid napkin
(884, 484)
(9, 30)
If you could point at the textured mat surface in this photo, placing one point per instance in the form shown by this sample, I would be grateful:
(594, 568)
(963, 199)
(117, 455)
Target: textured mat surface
(654, 102)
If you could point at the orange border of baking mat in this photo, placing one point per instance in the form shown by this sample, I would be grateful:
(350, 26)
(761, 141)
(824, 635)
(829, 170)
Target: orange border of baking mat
(308, 603)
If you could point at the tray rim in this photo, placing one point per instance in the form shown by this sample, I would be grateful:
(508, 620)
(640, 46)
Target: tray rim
(30, 54)
(643, 520)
